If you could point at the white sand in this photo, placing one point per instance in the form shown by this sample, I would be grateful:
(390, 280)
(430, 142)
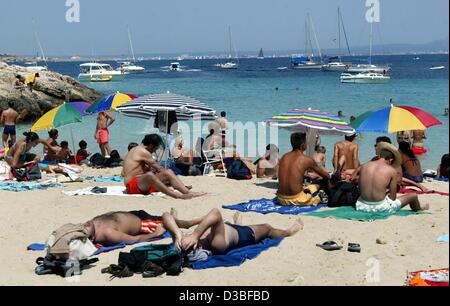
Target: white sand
(29, 217)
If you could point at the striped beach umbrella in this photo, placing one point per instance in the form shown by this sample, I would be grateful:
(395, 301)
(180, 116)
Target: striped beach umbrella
(300, 120)
(186, 108)
(59, 116)
(110, 102)
(394, 119)
(81, 106)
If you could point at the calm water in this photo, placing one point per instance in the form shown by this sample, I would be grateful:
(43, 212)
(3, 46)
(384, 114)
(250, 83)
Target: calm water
(249, 94)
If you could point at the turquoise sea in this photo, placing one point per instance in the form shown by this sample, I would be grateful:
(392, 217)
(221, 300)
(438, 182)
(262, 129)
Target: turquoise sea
(249, 95)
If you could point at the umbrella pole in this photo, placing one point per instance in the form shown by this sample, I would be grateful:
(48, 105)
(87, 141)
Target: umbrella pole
(167, 140)
(73, 142)
(311, 141)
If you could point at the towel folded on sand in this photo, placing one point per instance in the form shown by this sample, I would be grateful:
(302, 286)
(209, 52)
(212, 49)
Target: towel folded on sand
(26, 186)
(110, 191)
(266, 206)
(409, 190)
(102, 249)
(352, 214)
(236, 257)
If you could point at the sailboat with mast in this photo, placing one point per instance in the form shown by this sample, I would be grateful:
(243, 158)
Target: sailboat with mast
(34, 66)
(230, 64)
(335, 63)
(260, 54)
(307, 62)
(369, 68)
(127, 66)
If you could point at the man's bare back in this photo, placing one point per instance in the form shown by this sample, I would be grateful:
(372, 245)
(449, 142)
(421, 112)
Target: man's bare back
(291, 172)
(375, 180)
(348, 152)
(9, 117)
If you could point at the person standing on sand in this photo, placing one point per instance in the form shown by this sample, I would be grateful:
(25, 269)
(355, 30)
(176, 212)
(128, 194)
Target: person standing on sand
(143, 175)
(380, 175)
(345, 157)
(104, 121)
(8, 120)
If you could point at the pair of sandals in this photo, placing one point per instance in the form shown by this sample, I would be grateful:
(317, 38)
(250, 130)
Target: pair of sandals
(333, 246)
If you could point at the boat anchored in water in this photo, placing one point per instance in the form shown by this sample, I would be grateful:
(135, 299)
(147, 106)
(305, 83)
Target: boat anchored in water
(98, 70)
(437, 68)
(307, 62)
(260, 54)
(130, 67)
(230, 64)
(175, 66)
(365, 78)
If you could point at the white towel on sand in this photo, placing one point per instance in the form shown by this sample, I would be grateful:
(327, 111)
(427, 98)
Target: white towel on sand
(111, 191)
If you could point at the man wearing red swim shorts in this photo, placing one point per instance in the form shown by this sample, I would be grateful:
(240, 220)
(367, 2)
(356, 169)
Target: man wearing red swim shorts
(143, 175)
(104, 121)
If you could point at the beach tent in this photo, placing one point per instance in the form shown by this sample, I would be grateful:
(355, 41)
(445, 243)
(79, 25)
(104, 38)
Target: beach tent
(184, 107)
(311, 122)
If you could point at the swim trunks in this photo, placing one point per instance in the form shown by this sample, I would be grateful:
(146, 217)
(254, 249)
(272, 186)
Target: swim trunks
(9, 130)
(417, 179)
(308, 197)
(149, 223)
(133, 188)
(246, 236)
(387, 205)
(102, 136)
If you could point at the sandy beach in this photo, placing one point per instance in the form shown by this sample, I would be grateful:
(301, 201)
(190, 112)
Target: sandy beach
(29, 217)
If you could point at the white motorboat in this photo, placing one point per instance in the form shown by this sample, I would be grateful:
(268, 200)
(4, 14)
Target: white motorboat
(129, 67)
(335, 66)
(365, 78)
(361, 68)
(437, 68)
(228, 65)
(175, 66)
(98, 71)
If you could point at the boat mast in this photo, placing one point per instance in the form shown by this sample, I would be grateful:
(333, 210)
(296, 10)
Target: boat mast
(131, 44)
(371, 38)
(315, 37)
(339, 32)
(39, 44)
(231, 45)
(345, 33)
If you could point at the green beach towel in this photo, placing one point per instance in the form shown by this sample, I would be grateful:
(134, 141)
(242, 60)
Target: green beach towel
(352, 214)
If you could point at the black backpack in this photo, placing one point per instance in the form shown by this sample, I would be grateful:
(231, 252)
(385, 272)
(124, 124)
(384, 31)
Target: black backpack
(30, 172)
(150, 261)
(62, 267)
(343, 194)
(239, 171)
(97, 160)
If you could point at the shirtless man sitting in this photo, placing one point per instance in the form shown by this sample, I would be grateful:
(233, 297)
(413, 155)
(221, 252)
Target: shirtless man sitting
(345, 159)
(379, 176)
(291, 171)
(117, 227)
(218, 236)
(143, 175)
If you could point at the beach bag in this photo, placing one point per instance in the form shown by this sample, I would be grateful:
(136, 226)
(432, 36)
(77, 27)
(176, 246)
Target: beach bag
(239, 171)
(150, 261)
(68, 251)
(97, 160)
(30, 172)
(343, 194)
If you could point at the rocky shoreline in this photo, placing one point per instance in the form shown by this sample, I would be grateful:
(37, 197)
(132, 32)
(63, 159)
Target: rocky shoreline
(51, 89)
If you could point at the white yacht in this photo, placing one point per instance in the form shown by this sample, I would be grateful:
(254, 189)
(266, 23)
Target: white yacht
(307, 62)
(98, 71)
(230, 64)
(130, 67)
(365, 78)
(175, 66)
(361, 68)
(335, 66)
(34, 67)
(437, 68)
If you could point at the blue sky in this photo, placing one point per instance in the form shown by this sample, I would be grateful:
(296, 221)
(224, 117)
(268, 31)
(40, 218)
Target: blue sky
(177, 26)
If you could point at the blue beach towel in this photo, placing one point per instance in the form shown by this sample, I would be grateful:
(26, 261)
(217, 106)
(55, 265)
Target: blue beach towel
(441, 179)
(26, 186)
(443, 238)
(41, 247)
(236, 257)
(266, 206)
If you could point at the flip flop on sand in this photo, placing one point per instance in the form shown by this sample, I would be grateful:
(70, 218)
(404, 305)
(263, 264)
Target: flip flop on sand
(354, 247)
(329, 246)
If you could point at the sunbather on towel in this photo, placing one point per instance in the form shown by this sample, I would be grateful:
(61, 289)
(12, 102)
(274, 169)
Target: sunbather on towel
(218, 236)
(117, 227)
(291, 174)
(143, 175)
(380, 175)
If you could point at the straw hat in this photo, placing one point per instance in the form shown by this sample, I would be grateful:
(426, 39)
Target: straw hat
(389, 147)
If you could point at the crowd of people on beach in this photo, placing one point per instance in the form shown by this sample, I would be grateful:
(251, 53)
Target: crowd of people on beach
(302, 180)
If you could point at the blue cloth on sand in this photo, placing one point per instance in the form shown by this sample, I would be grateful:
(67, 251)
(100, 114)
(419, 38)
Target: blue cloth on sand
(236, 257)
(25, 186)
(41, 247)
(443, 238)
(266, 206)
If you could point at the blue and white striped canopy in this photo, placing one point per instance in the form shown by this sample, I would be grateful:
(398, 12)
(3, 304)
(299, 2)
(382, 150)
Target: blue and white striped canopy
(185, 107)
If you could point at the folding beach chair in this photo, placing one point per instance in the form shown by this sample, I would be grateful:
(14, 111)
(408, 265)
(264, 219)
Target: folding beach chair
(212, 158)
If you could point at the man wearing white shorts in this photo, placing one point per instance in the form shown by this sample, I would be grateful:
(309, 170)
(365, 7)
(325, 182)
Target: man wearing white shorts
(378, 183)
